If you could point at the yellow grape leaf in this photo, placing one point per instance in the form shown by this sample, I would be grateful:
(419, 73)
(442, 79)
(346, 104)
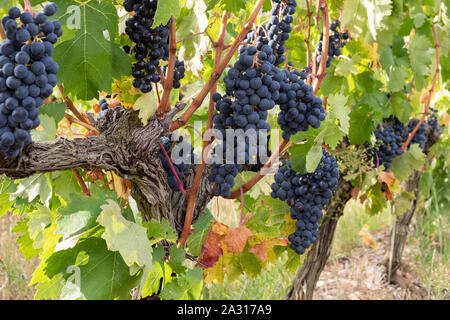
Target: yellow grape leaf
(64, 129)
(146, 105)
(366, 237)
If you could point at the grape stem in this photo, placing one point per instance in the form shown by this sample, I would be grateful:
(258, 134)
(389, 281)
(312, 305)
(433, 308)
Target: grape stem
(28, 8)
(430, 91)
(81, 182)
(72, 107)
(81, 123)
(321, 72)
(308, 36)
(164, 105)
(2, 33)
(247, 186)
(219, 45)
(180, 185)
(197, 102)
(241, 189)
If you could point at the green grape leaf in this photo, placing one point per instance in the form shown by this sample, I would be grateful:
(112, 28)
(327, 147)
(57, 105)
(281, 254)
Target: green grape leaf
(24, 241)
(360, 125)
(164, 11)
(187, 286)
(376, 10)
(89, 60)
(201, 228)
(157, 231)
(104, 274)
(46, 131)
(146, 105)
(420, 52)
(397, 79)
(81, 213)
(31, 187)
(128, 238)
(54, 110)
(346, 67)
(339, 110)
(404, 165)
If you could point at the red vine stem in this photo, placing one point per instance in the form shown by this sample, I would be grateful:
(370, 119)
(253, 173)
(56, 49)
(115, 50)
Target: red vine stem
(320, 74)
(81, 182)
(247, 186)
(219, 45)
(241, 189)
(81, 123)
(196, 103)
(28, 8)
(430, 91)
(180, 185)
(164, 105)
(308, 36)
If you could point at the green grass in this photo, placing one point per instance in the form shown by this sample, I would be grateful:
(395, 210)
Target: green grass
(272, 284)
(350, 224)
(430, 250)
(15, 271)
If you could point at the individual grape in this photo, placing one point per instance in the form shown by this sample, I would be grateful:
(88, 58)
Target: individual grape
(50, 9)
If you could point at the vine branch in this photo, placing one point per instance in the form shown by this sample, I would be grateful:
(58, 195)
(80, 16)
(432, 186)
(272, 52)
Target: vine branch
(164, 106)
(219, 47)
(321, 72)
(250, 184)
(197, 102)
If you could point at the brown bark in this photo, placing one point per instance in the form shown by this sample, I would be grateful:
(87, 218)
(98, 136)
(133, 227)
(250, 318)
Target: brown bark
(124, 146)
(307, 277)
(399, 233)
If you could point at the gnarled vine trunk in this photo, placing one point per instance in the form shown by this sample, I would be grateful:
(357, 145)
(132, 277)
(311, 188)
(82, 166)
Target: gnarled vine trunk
(307, 277)
(126, 147)
(400, 230)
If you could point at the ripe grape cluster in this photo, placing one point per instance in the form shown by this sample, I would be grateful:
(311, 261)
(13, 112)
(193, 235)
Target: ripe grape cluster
(182, 161)
(389, 140)
(306, 194)
(276, 32)
(300, 108)
(419, 137)
(337, 40)
(433, 120)
(27, 74)
(151, 44)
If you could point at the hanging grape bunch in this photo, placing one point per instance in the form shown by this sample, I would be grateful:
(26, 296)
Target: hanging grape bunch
(150, 45)
(27, 74)
(337, 40)
(306, 194)
(389, 142)
(252, 88)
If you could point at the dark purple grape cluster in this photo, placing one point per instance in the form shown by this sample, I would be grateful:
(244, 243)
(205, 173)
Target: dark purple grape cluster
(182, 161)
(337, 40)
(254, 85)
(178, 73)
(27, 74)
(433, 122)
(300, 108)
(151, 45)
(306, 194)
(276, 32)
(389, 142)
(419, 137)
